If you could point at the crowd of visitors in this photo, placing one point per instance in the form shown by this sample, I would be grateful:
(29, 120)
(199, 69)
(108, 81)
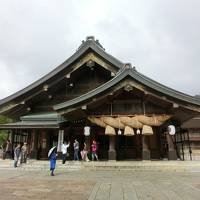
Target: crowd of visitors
(84, 153)
(19, 152)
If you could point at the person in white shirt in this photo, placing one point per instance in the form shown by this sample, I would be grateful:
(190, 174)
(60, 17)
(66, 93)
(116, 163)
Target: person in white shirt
(64, 152)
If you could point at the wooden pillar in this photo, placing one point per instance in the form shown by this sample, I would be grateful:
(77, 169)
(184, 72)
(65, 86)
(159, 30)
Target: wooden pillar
(87, 142)
(59, 143)
(10, 136)
(172, 155)
(60, 140)
(145, 148)
(112, 151)
(44, 144)
(34, 144)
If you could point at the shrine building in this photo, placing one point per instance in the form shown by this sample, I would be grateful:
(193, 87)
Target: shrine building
(93, 95)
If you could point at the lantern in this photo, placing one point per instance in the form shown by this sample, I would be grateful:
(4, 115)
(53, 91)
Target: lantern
(86, 130)
(171, 129)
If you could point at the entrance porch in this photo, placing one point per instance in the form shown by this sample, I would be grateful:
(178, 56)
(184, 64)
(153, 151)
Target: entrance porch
(118, 147)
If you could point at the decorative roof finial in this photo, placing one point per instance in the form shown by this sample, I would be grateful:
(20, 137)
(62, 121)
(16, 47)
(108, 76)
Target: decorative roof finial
(90, 38)
(129, 66)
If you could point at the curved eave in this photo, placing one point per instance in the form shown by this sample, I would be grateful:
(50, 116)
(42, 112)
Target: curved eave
(136, 76)
(43, 116)
(89, 44)
(30, 125)
(164, 89)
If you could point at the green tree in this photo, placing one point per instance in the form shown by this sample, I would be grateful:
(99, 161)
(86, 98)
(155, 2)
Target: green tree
(3, 133)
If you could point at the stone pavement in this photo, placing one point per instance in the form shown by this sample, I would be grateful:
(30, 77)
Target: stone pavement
(97, 184)
(178, 166)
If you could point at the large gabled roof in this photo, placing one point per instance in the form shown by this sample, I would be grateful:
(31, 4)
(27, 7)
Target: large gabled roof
(135, 75)
(90, 43)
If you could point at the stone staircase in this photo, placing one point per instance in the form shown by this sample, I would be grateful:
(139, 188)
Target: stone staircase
(175, 166)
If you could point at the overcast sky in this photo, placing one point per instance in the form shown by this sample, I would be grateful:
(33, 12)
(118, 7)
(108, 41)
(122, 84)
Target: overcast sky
(160, 38)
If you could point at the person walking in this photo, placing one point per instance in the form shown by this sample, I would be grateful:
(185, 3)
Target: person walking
(94, 150)
(17, 152)
(24, 153)
(84, 153)
(64, 152)
(76, 149)
(52, 156)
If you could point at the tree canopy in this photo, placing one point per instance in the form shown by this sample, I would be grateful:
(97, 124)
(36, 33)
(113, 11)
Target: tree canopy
(3, 133)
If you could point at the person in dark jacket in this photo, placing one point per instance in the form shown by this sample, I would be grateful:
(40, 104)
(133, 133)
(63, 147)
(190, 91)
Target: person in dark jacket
(17, 152)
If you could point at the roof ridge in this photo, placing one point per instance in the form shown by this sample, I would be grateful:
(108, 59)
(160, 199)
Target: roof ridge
(89, 43)
(91, 39)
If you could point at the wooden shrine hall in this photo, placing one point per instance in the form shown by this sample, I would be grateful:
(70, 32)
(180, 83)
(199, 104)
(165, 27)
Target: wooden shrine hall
(93, 95)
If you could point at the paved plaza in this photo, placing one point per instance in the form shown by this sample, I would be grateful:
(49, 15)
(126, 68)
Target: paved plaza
(98, 184)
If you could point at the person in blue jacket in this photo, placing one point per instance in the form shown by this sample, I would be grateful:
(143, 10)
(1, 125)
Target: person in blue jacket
(52, 158)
